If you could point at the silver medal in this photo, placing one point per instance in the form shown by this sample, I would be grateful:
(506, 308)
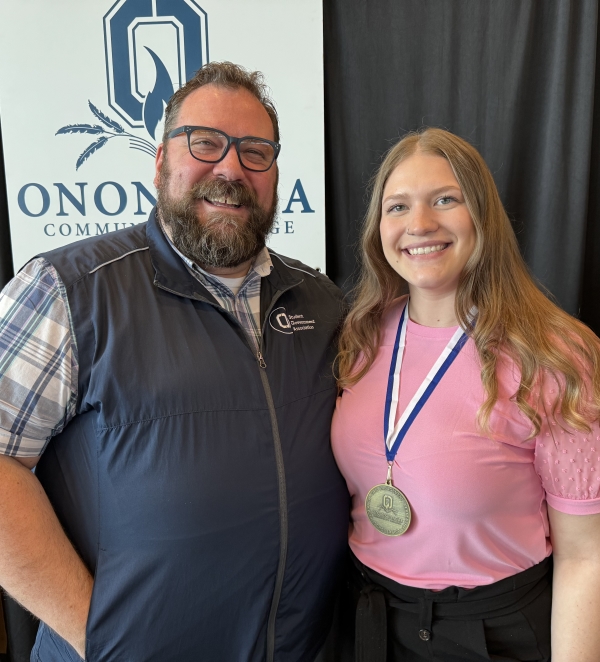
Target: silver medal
(387, 508)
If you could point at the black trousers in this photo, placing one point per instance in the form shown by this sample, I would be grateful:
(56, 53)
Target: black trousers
(380, 620)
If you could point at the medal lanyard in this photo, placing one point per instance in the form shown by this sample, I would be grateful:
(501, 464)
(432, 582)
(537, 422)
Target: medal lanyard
(394, 434)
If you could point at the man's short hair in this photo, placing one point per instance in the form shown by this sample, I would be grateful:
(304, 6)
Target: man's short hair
(223, 74)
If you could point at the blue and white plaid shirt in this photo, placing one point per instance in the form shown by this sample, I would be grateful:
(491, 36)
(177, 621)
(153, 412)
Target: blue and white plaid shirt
(245, 304)
(38, 354)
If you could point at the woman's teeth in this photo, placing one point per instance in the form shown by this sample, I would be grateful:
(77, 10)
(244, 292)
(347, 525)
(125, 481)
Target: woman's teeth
(424, 250)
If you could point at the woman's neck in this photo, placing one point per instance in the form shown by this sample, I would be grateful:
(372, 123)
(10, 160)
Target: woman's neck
(429, 309)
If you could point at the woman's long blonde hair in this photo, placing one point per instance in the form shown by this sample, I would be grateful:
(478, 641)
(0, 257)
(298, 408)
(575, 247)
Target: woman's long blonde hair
(514, 316)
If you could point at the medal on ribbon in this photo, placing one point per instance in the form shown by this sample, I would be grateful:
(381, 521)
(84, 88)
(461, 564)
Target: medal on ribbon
(387, 508)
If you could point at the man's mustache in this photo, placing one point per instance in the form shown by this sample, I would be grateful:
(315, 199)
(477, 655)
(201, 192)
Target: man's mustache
(234, 193)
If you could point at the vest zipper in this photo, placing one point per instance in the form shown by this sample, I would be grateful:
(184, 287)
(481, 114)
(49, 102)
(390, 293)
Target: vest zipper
(281, 483)
(283, 519)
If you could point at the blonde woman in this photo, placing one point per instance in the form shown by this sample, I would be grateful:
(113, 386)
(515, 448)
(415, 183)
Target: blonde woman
(467, 430)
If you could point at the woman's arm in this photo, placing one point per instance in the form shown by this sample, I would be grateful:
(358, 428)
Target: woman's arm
(576, 587)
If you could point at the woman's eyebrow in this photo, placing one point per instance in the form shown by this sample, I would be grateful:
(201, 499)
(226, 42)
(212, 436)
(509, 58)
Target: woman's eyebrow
(436, 191)
(395, 196)
(441, 189)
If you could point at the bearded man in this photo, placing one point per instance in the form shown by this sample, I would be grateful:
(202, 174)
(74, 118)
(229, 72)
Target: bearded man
(172, 385)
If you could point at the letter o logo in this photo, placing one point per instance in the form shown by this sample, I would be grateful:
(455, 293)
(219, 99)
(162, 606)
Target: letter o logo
(279, 321)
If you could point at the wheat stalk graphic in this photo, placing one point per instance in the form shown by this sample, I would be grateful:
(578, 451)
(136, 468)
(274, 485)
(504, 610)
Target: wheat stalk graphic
(111, 129)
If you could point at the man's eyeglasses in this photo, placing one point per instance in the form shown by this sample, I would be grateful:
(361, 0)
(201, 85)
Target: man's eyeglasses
(211, 146)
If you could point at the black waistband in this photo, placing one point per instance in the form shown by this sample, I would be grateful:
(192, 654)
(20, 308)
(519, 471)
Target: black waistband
(378, 593)
(504, 596)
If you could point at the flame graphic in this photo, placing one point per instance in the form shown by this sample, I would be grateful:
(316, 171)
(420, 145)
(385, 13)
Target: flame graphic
(158, 97)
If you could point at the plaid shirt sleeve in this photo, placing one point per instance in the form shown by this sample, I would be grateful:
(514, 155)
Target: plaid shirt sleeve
(38, 360)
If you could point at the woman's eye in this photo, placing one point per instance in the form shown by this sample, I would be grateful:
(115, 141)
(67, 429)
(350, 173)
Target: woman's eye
(446, 200)
(396, 208)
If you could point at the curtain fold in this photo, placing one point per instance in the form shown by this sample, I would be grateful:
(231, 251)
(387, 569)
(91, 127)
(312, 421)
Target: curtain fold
(3, 638)
(6, 262)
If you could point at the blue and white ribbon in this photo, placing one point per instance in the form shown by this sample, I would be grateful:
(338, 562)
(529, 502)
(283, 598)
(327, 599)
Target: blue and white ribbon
(394, 434)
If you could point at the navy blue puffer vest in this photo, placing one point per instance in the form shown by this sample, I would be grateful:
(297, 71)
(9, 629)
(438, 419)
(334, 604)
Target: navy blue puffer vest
(198, 486)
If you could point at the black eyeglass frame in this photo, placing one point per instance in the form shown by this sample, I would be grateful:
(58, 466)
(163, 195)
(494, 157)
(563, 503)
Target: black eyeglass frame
(231, 140)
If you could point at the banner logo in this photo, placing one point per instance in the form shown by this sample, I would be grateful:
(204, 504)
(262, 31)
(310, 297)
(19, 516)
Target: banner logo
(152, 48)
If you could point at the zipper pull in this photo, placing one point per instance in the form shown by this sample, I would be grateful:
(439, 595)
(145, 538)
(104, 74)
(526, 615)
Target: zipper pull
(261, 361)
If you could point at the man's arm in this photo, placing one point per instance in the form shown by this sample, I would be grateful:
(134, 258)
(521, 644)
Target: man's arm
(38, 565)
(38, 392)
(575, 587)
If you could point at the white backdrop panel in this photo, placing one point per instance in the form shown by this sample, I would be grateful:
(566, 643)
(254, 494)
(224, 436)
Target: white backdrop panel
(60, 58)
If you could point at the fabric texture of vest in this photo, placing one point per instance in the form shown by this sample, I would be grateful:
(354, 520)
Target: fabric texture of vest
(198, 486)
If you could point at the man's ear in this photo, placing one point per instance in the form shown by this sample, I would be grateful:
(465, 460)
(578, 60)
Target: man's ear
(158, 164)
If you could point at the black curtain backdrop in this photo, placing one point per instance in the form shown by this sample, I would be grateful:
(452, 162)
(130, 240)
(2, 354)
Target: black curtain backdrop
(517, 78)
(514, 77)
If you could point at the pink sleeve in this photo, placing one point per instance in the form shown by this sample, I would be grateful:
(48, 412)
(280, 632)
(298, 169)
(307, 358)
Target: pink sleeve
(568, 463)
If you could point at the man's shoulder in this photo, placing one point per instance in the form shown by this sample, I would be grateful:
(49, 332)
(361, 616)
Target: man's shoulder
(314, 278)
(80, 258)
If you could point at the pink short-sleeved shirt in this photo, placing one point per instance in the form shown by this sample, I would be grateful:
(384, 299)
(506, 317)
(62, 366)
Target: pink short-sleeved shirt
(478, 502)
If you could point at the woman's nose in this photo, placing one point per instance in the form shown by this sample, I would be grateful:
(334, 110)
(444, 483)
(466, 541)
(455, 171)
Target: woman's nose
(422, 221)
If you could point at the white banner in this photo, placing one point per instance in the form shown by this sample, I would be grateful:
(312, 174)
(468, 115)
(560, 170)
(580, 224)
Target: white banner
(83, 85)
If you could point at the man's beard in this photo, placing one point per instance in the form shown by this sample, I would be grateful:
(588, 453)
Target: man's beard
(215, 239)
